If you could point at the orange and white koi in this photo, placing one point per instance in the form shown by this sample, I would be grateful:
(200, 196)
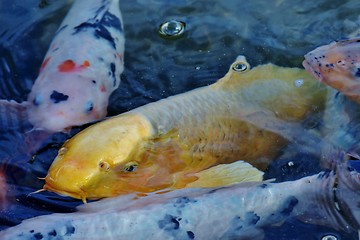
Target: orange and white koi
(81, 68)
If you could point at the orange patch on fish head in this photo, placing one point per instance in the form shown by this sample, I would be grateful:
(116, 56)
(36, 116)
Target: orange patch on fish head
(67, 66)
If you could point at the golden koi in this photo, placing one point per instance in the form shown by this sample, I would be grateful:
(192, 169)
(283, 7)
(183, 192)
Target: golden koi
(194, 139)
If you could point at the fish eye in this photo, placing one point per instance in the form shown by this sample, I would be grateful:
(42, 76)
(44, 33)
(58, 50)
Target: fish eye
(89, 106)
(130, 167)
(240, 67)
(104, 166)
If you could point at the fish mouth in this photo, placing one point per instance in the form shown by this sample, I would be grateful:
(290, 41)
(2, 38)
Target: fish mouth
(308, 67)
(76, 195)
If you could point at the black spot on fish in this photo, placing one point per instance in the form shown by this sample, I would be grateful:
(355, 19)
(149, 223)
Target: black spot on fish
(169, 223)
(264, 185)
(89, 106)
(291, 202)
(70, 230)
(31, 231)
(337, 94)
(113, 69)
(100, 28)
(99, 31)
(190, 234)
(185, 200)
(52, 233)
(93, 81)
(38, 236)
(357, 72)
(214, 190)
(251, 218)
(111, 20)
(60, 29)
(57, 97)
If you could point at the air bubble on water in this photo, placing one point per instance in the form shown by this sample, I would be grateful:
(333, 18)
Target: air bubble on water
(172, 29)
(329, 237)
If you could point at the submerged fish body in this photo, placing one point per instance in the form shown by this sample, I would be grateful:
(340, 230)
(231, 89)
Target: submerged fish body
(81, 68)
(237, 212)
(337, 65)
(181, 141)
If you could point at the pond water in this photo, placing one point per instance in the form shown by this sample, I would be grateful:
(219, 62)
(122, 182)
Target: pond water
(216, 32)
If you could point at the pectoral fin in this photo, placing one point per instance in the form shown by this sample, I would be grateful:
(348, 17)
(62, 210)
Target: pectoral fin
(227, 174)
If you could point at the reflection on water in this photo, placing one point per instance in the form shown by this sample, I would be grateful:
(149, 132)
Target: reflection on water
(275, 31)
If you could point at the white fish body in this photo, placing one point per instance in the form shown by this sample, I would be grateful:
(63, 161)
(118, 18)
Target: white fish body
(81, 68)
(237, 212)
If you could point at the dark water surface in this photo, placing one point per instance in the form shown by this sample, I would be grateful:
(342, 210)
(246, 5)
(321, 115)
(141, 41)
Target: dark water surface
(276, 31)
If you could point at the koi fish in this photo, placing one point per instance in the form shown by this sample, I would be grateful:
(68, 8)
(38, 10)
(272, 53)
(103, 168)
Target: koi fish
(81, 68)
(337, 65)
(187, 140)
(330, 198)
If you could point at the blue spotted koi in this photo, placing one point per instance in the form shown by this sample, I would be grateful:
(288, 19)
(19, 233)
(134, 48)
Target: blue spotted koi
(81, 68)
(238, 212)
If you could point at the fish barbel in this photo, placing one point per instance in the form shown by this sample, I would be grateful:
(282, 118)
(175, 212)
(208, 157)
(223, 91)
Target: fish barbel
(187, 140)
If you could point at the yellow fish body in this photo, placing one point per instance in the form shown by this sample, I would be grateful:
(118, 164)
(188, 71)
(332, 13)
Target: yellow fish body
(185, 140)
